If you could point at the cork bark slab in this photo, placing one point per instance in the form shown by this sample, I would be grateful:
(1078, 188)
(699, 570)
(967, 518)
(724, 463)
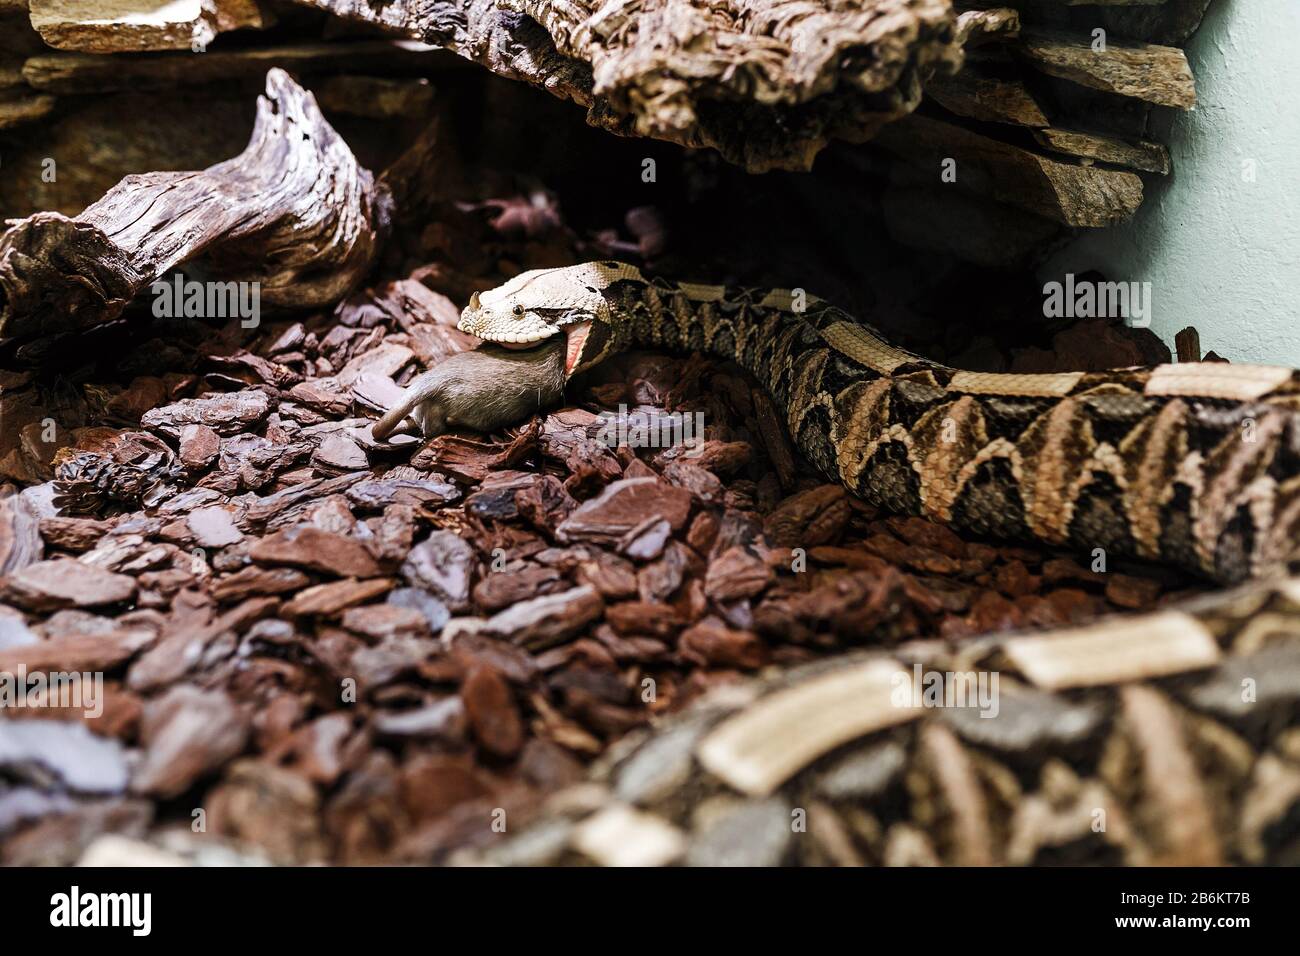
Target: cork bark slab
(766, 83)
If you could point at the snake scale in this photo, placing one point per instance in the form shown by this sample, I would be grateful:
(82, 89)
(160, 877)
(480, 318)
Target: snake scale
(1171, 737)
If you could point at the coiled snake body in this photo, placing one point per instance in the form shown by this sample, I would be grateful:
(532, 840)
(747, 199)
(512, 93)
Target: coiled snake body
(1170, 737)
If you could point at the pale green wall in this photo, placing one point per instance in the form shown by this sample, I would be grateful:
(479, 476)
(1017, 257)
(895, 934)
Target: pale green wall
(1222, 254)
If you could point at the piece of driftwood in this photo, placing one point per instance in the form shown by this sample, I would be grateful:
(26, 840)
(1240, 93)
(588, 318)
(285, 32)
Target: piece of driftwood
(294, 213)
(116, 26)
(767, 84)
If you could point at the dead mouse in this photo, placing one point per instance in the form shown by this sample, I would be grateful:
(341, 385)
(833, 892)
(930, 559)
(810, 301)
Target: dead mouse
(485, 389)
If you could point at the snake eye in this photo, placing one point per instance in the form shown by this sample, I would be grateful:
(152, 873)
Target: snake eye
(518, 311)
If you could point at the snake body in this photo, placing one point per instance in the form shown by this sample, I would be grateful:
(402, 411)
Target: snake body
(1134, 719)
(1195, 465)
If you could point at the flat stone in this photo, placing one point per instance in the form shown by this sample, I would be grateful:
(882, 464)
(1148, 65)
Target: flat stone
(229, 413)
(493, 713)
(322, 399)
(213, 527)
(187, 733)
(335, 596)
(388, 660)
(306, 547)
(199, 446)
(340, 453)
(736, 574)
(64, 754)
(379, 493)
(444, 564)
(79, 653)
(254, 580)
(624, 506)
(383, 621)
(434, 611)
(62, 582)
(547, 620)
(443, 720)
(385, 360)
(73, 534)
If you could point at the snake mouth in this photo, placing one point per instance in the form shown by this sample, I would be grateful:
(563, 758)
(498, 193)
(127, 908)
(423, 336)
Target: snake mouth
(575, 333)
(514, 340)
(576, 336)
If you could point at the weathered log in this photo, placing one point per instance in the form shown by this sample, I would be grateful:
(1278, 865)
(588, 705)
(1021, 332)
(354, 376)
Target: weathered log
(294, 213)
(766, 83)
(115, 26)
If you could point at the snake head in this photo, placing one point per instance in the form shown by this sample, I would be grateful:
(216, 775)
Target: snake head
(536, 305)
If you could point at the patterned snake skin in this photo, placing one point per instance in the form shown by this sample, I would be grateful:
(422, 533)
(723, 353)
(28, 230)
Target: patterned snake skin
(1171, 737)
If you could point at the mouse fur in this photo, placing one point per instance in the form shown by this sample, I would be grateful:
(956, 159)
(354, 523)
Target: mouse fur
(485, 389)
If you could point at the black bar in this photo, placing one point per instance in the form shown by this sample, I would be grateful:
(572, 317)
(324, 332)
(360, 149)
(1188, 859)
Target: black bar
(334, 905)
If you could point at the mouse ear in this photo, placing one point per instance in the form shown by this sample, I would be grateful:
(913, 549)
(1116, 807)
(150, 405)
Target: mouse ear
(473, 300)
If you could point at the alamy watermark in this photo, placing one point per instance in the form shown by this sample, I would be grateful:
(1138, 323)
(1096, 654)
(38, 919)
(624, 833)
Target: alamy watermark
(192, 299)
(924, 688)
(64, 690)
(1084, 299)
(653, 429)
(74, 908)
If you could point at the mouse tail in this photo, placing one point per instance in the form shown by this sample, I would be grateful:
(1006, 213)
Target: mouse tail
(395, 415)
